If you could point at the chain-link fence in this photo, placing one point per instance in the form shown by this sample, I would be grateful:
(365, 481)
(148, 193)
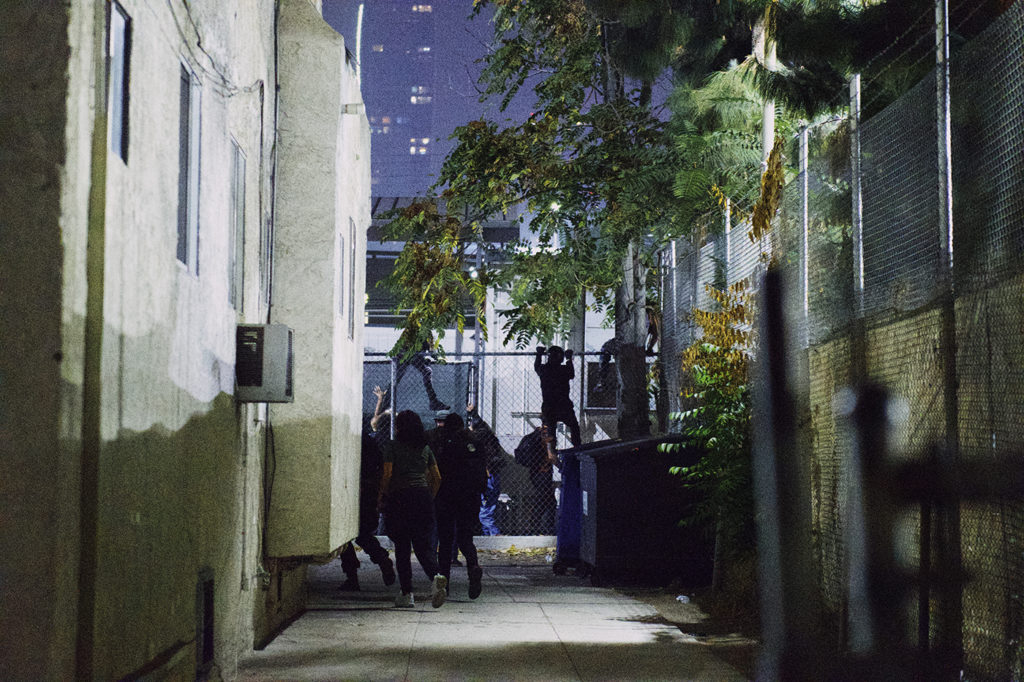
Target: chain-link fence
(503, 390)
(867, 256)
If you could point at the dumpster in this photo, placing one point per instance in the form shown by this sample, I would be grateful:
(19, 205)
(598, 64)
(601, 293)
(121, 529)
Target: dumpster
(567, 546)
(630, 507)
(569, 523)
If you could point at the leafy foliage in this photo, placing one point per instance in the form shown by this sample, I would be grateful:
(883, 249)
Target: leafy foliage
(718, 420)
(431, 278)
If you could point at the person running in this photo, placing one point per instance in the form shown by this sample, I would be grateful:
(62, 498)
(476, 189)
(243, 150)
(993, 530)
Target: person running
(463, 470)
(409, 480)
(369, 480)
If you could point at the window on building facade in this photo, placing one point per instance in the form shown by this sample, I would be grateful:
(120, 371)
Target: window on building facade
(188, 171)
(236, 225)
(351, 278)
(422, 8)
(341, 274)
(420, 99)
(119, 56)
(378, 48)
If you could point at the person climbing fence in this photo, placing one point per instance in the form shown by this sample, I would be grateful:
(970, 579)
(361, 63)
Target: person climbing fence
(556, 406)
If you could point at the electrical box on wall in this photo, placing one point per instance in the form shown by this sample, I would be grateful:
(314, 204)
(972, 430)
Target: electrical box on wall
(264, 363)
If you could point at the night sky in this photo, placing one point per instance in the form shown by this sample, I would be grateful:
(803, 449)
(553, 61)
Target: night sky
(408, 52)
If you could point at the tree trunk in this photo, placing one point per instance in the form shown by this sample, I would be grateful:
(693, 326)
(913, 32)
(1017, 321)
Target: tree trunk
(631, 333)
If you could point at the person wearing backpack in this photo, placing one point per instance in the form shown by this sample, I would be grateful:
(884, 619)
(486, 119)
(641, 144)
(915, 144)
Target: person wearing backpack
(463, 469)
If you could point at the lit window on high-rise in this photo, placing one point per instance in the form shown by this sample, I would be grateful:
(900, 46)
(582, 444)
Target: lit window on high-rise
(425, 140)
(385, 119)
(424, 48)
(412, 150)
(422, 8)
(422, 150)
(378, 48)
(420, 99)
(420, 89)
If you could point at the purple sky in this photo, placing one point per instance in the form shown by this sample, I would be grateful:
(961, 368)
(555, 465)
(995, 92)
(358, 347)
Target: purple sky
(395, 63)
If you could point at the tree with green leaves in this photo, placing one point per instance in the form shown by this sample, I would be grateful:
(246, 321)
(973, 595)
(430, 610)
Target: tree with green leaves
(430, 276)
(593, 164)
(605, 178)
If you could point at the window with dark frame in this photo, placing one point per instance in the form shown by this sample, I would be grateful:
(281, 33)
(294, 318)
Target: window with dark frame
(188, 171)
(351, 279)
(236, 247)
(119, 61)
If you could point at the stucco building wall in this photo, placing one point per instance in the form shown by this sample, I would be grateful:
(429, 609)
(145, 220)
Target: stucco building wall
(132, 474)
(323, 202)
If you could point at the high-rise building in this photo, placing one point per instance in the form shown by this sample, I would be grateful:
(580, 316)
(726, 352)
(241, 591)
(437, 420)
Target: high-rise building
(417, 63)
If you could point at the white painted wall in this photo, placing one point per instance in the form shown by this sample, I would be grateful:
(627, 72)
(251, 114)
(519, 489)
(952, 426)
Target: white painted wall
(323, 184)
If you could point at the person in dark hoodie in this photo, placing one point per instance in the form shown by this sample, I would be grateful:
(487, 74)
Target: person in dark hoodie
(369, 482)
(556, 406)
(463, 469)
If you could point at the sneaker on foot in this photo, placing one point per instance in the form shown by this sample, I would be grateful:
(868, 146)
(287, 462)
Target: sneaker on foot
(387, 570)
(476, 574)
(438, 591)
(405, 600)
(350, 585)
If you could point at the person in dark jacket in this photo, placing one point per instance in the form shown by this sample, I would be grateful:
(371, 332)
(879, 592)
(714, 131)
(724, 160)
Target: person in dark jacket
(463, 469)
(369, 480)
(556, 406)
(539, 504)
(409, 480)
(464, 473)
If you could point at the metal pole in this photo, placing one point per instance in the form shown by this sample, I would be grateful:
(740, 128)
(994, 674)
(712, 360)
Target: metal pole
(950, 620)
(858, 202)
(477, 341)
(944, 136)
(806, 223)
(392, 399)
(728, 238)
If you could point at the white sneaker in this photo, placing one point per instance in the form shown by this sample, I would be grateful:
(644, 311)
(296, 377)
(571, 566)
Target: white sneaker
(438, 591)
(405, 601)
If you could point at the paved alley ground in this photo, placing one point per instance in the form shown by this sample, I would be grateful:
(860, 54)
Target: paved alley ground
(528, 624)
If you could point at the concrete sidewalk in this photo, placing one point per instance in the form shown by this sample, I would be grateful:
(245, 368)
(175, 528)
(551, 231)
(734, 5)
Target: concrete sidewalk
(528, 624)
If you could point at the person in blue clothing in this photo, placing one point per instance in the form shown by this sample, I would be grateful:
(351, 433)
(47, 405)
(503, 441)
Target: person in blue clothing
(409, 481)
(556, 406)
(497, 458)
